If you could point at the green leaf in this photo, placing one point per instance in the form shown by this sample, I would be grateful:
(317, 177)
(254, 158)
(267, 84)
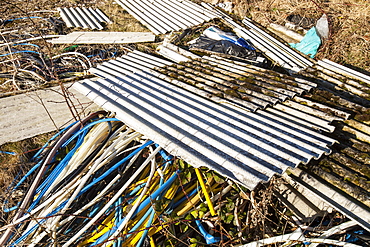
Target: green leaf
(230, 205)
(201, 214)
(195, 213)
(229, 219)
(218, 179)
(189, 217)
(184, 228)
(193, 240)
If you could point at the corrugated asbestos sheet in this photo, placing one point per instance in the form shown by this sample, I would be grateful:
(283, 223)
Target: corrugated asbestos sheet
(83, 17)
(342, 178)
(319, 188)
(277, 51)
(248, 147)
(162, 16)
(343, 78)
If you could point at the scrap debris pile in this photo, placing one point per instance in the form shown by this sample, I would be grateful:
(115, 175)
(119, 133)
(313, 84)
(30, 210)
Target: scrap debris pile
(214, 81)
(99, 182)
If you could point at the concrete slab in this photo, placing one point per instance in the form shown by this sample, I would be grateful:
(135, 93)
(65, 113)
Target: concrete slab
(33, 113)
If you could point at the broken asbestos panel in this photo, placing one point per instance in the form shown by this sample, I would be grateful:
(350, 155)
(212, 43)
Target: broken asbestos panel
(104, 38)
(318, 188)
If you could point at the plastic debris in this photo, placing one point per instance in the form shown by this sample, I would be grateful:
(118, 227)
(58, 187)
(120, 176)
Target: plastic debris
(7, 152)
(214, 39)
(225, 47)
(322, 27)
(217, 34)
(309, 44)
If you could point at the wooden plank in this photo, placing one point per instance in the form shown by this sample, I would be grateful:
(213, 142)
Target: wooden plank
(104, 38)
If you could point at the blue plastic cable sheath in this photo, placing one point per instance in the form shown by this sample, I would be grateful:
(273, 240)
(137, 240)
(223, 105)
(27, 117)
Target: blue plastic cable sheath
(138, 224)
(24, 235)
(51, 139)
(95, 209)
(7, 210)
(27, 174)
(116, 166)
(145, 233)
(59, 167)
(145, 216)
(105, 174)
(16, 52)
(208, 237)
(7, 152)
(157, 192)
(22, 18)
(141, 207)
(165, 156)
(116, 215)
(168, 158)
(41, 190)
(150, 221)
(86, 188)
(111, 169)
(176, 204)
(89, 126)
(66, 159)
(136, 189)
(27, 44)
(118, 243)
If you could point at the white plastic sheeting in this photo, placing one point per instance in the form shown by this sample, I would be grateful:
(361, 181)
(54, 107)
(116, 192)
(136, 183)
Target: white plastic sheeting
(162, 16)
(83, 17)
(244, 146)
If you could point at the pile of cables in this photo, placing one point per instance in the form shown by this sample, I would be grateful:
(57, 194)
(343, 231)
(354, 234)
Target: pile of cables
(32, 68)
(29, 68)
(28, 61)
(100, 183)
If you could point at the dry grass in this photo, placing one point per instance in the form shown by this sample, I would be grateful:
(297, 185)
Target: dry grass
(10, 165)
(349, 20)
(122, 21)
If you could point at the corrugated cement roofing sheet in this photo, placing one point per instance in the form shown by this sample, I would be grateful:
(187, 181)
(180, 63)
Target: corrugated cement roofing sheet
(248, 147)
(83, 17)
(219, 79)
(162, 16)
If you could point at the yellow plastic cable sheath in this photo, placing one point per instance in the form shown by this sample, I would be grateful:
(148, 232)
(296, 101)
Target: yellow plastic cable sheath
(109, 222)
(170, 193)
(205, 192)
(151, 241)
(187, 190)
